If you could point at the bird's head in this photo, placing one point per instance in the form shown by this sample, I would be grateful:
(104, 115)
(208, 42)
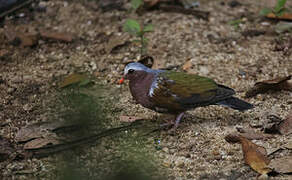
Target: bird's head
(134, 71)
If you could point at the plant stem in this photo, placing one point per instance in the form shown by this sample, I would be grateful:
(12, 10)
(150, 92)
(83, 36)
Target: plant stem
(141, 49)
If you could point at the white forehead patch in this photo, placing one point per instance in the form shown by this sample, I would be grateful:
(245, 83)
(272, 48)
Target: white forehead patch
(136, 67)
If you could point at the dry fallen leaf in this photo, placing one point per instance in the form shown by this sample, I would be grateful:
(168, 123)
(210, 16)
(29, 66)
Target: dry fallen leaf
(129, 118)
(21, 39)
(116, 42)
(150, 3)
(282, 165)
(28, 133)
(285, 16)
(285, 127)
(147, 61)
(57, 36)
(187, 65)
(72, 79)
(27, 40)
(255, 156)
(283, 83)
(232, 138)
(36, 130)
(41, 142)
(250, 134)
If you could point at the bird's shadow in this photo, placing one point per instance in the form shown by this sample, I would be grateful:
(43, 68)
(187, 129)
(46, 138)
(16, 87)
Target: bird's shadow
(157, 122)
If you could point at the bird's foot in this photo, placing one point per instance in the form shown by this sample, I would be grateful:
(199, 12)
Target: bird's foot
(172, 125)
(177, 119)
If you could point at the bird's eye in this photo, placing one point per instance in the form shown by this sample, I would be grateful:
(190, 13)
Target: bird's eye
(131, 71)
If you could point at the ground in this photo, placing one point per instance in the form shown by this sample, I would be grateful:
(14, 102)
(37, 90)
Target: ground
(29, 78)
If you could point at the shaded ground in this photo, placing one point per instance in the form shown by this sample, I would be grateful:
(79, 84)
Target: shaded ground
(29, 77)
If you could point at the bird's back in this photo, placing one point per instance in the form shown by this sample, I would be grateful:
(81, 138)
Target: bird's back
(178, 91)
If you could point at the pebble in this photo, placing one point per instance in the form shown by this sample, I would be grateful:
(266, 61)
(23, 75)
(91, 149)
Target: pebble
(27, 107)
(10, 90)
(93, 65)
(265, 24)
(180, 162)
(204, 70)
(165, 149)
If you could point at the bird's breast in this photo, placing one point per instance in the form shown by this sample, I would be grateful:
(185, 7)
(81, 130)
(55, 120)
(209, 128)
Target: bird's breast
(140, 91)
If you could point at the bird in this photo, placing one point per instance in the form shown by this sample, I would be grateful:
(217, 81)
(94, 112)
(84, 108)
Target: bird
(173, 92)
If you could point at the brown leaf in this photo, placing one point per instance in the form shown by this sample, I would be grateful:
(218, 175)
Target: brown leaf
(187, 65)
(232, 138)
(21, 39)
(72, 79)
(255, 156)
(282, 165)
(36, 131)
(129, 118)
(57, 36)
(116, 42)
(28, 133)
(150, 3)
(283, 83)
(27, 40)
(41, 142)
(285, 127)
(285, 16)
(250, 134)
(147, 61)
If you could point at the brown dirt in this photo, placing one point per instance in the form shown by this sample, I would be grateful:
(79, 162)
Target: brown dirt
(29, 77)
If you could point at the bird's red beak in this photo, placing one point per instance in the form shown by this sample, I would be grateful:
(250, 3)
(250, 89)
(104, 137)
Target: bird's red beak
(121, 80)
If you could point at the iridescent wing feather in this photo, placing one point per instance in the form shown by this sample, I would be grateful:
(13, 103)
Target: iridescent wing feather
(179, 91)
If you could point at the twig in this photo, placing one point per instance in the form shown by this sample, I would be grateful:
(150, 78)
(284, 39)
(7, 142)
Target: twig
(45, 151)
(172, 8)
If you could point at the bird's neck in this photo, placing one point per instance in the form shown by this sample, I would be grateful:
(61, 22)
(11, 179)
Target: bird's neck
(141, 79)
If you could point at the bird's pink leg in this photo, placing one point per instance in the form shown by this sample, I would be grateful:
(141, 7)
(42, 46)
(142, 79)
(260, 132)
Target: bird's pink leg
(177, 119)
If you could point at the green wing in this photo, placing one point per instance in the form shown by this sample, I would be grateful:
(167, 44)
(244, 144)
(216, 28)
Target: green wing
(180, 91)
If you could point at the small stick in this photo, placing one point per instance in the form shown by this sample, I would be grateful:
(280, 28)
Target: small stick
(171, 8)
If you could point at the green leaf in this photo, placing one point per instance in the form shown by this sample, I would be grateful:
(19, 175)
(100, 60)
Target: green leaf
(281, 12)
(235, 22)
(140, 34)
(136, 41)
(265, 11)
(148, 28)
(145, 40)
(132, 26)
(280, 5)
(136, 4)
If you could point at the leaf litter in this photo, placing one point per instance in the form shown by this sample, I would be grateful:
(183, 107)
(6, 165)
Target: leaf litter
(283, 127)
(278, 84)
(254, 155)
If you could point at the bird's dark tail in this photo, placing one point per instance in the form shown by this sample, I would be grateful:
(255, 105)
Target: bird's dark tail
(236, 103)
